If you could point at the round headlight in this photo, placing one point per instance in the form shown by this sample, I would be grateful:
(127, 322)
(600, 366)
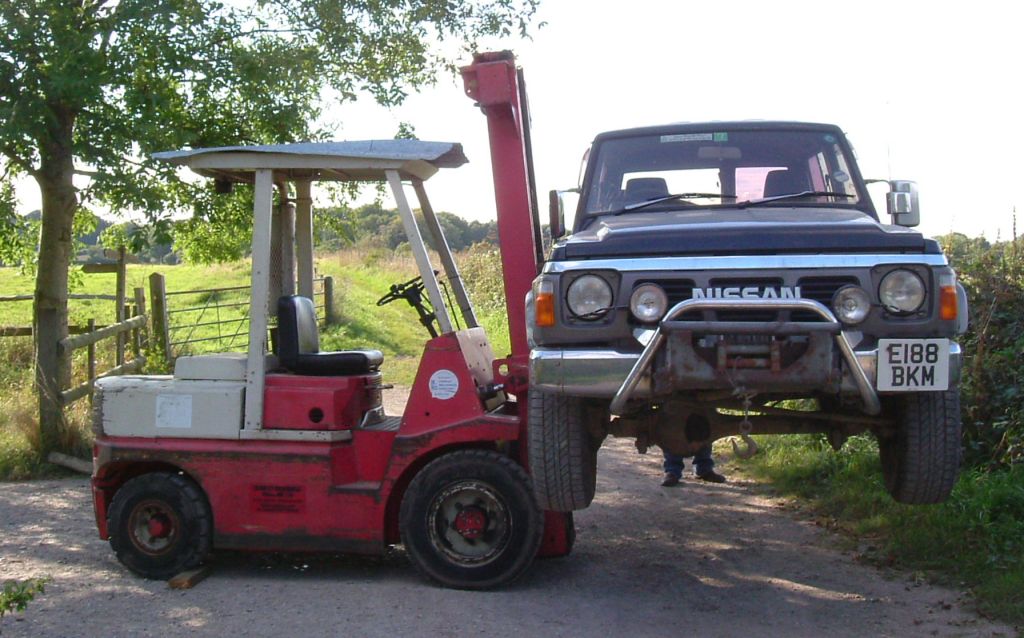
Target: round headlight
(589, 297)
(648, 303)
(901, 291)
(851, 304)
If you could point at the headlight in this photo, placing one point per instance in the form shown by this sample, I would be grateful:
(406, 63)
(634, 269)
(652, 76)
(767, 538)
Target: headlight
(589, 297)
(901, 291)
(851, 304)
(648, 303)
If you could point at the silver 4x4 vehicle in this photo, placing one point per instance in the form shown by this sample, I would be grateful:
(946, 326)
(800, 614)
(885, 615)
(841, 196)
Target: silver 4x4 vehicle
(734, 278)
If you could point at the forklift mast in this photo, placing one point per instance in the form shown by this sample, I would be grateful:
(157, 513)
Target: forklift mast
(497, 86)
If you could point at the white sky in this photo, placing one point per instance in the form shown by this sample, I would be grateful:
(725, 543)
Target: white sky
(927, 91)
(931, 90)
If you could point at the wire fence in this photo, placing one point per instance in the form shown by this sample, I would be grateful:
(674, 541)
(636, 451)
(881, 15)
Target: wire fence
(214, 319)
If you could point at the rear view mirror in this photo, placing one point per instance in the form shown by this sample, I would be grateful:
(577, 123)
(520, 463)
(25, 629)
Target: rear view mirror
(719, 153)
(902, 203)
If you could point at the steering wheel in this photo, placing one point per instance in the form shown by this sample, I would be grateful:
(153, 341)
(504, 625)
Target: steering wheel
(401, 291)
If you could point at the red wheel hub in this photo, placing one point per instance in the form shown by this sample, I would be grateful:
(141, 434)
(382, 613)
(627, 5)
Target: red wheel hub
(471, 523)
(158, 527)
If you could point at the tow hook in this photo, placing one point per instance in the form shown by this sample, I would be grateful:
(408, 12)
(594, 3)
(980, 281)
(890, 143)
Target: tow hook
(750, 450)
(745, 427)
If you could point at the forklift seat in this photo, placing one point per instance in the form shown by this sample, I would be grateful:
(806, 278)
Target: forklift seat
(299, 344)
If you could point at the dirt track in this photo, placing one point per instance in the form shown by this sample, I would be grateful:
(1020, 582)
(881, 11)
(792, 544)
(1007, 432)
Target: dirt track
(699, 560)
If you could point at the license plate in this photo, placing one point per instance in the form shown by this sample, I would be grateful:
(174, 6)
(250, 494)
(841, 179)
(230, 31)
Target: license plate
(913, 365)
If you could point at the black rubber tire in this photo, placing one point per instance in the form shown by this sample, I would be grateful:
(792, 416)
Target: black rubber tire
(563, 458)
(921, 461)
(481, 482)
(177, 508)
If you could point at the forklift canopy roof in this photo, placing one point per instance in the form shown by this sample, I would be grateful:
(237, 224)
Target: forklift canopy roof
(337, 161)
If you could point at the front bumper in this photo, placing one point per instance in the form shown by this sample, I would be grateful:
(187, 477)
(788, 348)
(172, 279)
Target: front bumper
(622, 375)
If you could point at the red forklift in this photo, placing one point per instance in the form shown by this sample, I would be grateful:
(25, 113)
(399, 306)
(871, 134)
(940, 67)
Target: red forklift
(288, 448)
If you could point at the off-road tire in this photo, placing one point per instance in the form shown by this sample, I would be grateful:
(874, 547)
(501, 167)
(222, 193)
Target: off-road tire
(921, 460)
(563, 458)
(499, 490)
(180, 536)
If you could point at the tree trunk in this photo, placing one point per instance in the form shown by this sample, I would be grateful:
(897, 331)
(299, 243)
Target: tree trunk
(53, 367)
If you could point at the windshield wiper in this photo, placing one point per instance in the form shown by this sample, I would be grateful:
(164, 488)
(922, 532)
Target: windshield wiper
(667, 198)
(800, 195)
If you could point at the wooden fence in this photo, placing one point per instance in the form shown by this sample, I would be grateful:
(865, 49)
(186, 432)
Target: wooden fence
(134, 327)
(124, 331)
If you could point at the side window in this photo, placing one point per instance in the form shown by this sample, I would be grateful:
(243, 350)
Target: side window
(818, 169)
(839, 180)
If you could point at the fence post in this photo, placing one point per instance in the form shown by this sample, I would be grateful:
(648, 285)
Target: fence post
(119, 314)
(161, 326)
(329, 300)
(91, 371)
(140, 309)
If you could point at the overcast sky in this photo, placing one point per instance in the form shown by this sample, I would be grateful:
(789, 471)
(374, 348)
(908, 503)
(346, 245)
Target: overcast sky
(926, 91)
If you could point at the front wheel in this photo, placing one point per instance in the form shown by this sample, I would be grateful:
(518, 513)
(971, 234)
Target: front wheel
(563, 456)
(469, 520)
(160, 525)
(921, 460)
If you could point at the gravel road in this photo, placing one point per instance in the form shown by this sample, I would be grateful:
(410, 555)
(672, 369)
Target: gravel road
(698, 560)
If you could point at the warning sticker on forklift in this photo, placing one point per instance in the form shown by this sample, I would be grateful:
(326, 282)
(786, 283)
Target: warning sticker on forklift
(443, 384)
(289, 499)
(174, 411)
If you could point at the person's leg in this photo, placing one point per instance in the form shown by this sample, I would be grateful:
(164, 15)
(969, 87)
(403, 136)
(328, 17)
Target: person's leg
(704, 466)
(673, 469)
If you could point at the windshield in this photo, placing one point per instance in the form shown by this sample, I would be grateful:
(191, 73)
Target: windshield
(719, 168)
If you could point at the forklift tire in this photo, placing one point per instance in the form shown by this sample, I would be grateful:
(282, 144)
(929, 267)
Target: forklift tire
(469, 520)
(563, 457)
(921, 460)
(160, 525)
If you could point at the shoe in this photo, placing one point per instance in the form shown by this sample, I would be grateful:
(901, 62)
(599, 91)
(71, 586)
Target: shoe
(670, 480)
(711, 476)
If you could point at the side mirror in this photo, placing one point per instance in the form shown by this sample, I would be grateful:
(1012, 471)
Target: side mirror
(556, 214)
(902, 203)
(556, 210)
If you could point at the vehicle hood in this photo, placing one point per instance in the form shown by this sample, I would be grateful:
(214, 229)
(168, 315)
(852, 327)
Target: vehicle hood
(731, 231)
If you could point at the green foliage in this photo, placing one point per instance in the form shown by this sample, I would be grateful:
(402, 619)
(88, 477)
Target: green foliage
(16, 595)
(373, 226)
(18, 235)
(993, 399)
(975, 538)
(480, 267)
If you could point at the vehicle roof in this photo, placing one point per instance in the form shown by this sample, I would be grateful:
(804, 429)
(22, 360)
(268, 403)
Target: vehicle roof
(740, 125)
(334, 161)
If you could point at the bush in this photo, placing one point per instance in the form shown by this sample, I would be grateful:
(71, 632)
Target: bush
(993, 401)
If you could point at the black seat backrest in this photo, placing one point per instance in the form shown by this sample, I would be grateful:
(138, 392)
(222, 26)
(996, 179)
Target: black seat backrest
(298, 344)
(783, 182)
(642, 189)
(297, 332)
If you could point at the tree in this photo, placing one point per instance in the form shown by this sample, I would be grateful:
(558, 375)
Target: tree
(89, 88)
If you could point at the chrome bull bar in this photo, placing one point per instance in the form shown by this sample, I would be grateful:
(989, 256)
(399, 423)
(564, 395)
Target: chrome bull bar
(869, 397)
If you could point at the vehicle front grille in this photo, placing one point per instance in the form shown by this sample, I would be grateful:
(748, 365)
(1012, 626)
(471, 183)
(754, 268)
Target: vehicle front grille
(820, 289)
